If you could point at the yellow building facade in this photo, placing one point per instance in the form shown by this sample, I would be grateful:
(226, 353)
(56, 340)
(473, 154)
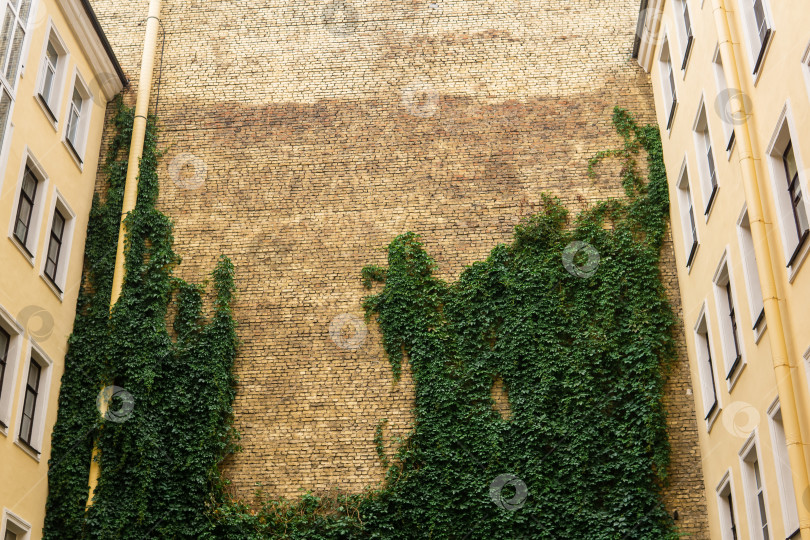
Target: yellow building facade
(58, 74)
(731, 80)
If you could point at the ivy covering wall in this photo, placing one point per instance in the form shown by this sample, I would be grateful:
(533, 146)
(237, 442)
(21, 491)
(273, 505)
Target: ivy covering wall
(571, 316)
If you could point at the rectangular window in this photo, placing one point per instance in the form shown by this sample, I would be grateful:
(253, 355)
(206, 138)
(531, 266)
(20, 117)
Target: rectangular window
(727, 321)
(706, 368)
(10, 333)
(706, 163)
(55, 246)
(15, 527)
(758, 30)
(74, 117)
(751, 272)
(687, 217)
(668, 81)
(725, 503)
(685, 30)
(785, 478)
(25, 208)
(757, 508)
(52, 68)
(12, 38)
(763, 32)
(787, 181)
(30, 402)
(724, 98)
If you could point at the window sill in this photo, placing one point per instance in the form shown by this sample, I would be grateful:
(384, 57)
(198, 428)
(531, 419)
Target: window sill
(732, 142)
(691, 262)
(709, 207)
(47, 110)
(760, 61)
(798, 259)
(77, 159)
(759, 327)
(713, 417)
(28, 449)
(735, 375)
(24, 250)
(53, 287)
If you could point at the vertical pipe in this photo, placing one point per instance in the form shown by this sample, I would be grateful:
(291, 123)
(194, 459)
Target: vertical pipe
(764, 261)
(131, 186)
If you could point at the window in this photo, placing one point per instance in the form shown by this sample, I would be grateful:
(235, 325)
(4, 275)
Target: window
(29, 207)
(668, 81)
(690, 239)
(757, 29)
(788, 183)
(705, 156)
(754, 487)
(684, 24)
(10, 337)
(725, 504)
(756, 304)
(727, 315)
(706, 369)
(76, 120)
(54, 266)
(790, 513)
(13, 527)
(33, 401)
(724, 97)
(12, 39)
(52, 74)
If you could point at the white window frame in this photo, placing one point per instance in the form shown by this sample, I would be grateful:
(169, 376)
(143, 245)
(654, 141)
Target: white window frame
(722, 90)
(783, 133)
(16, 332)
(756, 304)
(58, 202)
(77, 149)
(686, 36)
(784, 477)
(15, 524)
(686, 202)
(750, 453)
(755, 51)
(707, 367)
(36, 354)
(52, 107)
(670, 93)
(40, 201)
(806, 68)
(725, 488)
(703, 145)
(733, 367)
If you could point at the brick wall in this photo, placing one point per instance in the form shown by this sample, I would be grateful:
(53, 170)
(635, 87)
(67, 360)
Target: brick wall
(302, 136)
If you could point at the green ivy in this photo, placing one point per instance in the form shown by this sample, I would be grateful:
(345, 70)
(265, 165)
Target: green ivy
(159, 446)
(572, 317)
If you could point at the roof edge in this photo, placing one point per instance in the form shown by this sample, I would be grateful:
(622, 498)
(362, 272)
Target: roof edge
(105, 43)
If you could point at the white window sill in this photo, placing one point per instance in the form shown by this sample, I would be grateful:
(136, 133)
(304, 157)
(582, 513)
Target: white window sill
(797, 264)
(77, 159)
(28, 450)
(732, 381)
(46, 110)
(694, 258)
(26, 255)
(713, 418)
(759, 331)
(59, 294)
(758, 74)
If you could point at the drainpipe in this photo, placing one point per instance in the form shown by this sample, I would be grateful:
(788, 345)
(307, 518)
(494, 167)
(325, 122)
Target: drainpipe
(133, 168)
(762, 250)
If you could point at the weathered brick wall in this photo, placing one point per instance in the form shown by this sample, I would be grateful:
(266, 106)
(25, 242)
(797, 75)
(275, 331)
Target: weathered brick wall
(302, 136)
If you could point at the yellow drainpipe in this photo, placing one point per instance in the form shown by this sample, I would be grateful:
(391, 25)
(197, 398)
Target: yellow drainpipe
(131, 186)
(762, 250)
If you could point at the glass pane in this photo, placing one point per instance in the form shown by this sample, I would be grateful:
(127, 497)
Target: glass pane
(10, 535)
(77, 101)
(5, 105)
(790, 163)
(58, 224)
(25, 429)
(33, 375)
(25, 10)
(25, 212)
(4, 337)
(28, 406)
(73, 122)
(5, 35)
(14, 57)
(20, 230)
(46, 85)
(801, 214)
(52, 55)
(50, 269)
(53, 250)
(759, 13)
(29, 184)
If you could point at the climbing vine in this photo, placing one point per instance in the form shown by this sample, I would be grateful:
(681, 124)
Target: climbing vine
(571, 316)
(169, 426)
